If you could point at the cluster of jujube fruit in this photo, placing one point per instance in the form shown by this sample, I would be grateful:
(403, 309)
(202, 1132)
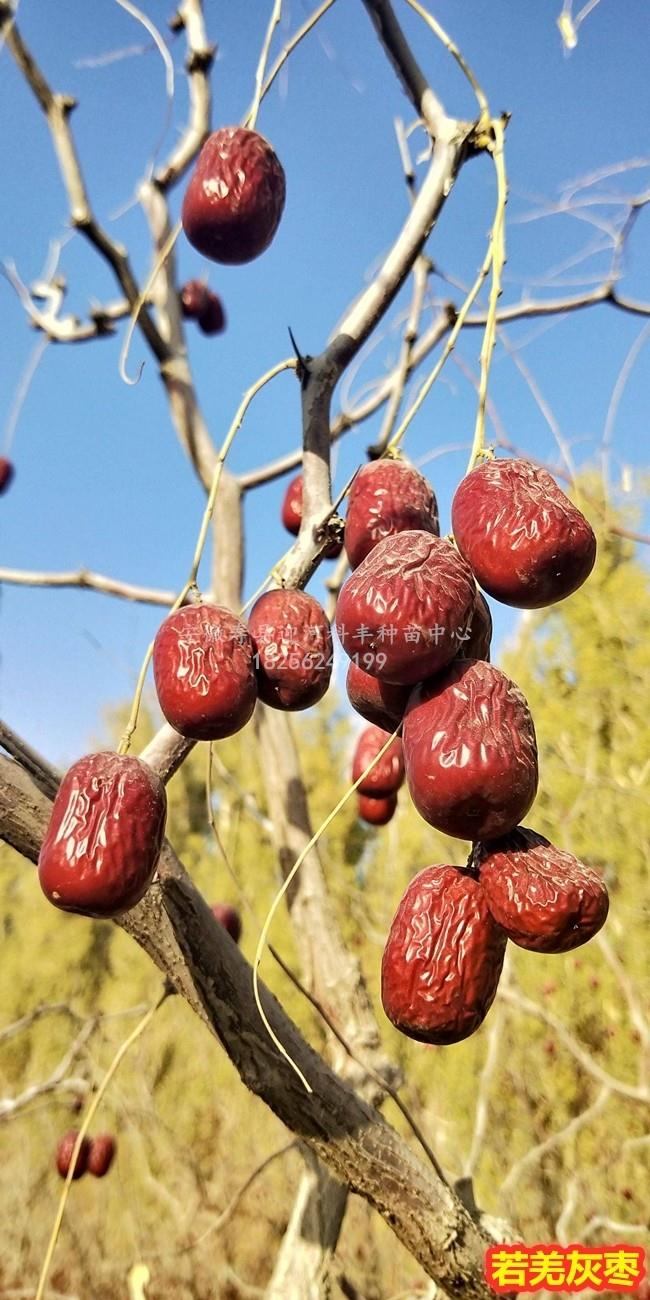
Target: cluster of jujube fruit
(417, 629)
(95, 1155)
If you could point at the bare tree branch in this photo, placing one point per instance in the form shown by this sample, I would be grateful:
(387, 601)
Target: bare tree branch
(200, 56)
(86, 580)
(175, 926)
(57, 109)
(516, 999)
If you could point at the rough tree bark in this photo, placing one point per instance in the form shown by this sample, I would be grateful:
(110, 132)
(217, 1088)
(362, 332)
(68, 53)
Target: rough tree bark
(175, 926)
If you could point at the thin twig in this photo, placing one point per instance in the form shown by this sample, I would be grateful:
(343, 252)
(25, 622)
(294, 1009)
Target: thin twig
(516, 999)
(86, 580)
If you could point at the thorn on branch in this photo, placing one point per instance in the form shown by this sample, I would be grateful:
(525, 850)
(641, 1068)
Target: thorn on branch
(302, 369)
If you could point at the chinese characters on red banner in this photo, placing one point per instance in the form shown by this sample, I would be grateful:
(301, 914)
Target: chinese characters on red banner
(564, 1268)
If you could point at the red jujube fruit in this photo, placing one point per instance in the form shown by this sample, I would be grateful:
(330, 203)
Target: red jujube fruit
(476, 637)
(6, 473)
(387, 497)
(101, 1155)
(235, 197)
(194, 296)
(292, 515)
(202, 304)
(376, 812)
(293, 647)
(398, 614)
(204, 671)
(212, 317)
(64, 1152)
(387, 775)
(104, 836)
(528, 545)
(470, 751)
(544, 899)
(443, 958)
(229, 918)
(378, 702)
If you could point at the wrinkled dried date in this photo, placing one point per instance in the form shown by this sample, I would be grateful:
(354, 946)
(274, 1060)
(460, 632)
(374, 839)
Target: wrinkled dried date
(235, 197)
(400, 612)
(387, 497)
(292, 515)
(387, 775)
(470, 751)
(64, 1152)
(376, 812)
(293, 646)
(478, 632)
(101, 1155)
(378, 702)
(104, 836)
(229, 918)
(203, 665)
(442, 959)
(544, 899)
(528, 545)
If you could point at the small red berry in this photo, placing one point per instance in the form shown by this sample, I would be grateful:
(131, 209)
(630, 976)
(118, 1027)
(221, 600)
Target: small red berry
(292, 515)
(229, 918)
(378, 702)
(193, 298)
(7, 472)
(101, 1154)
(376, 812)
(386, 777)
(235, 197)
(212, 317)
(64, 1152)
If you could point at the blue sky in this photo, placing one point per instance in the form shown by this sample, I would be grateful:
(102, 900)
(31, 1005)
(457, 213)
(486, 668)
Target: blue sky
(101, 481)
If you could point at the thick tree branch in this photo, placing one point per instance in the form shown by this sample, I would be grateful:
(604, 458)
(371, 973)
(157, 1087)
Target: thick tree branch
(176, 928)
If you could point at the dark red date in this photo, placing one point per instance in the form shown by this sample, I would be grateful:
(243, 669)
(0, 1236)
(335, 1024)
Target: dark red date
(104, 836)
(528, 545)
(443, 958)
(544, 899)
(470, 751)
(387, 497)
(387, 775)
(293, 647)
(203, 665)
(399, 612)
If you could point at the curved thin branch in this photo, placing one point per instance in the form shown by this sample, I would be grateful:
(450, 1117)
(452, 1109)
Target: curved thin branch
(515, 999)
(57, 109)
(86, 580)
